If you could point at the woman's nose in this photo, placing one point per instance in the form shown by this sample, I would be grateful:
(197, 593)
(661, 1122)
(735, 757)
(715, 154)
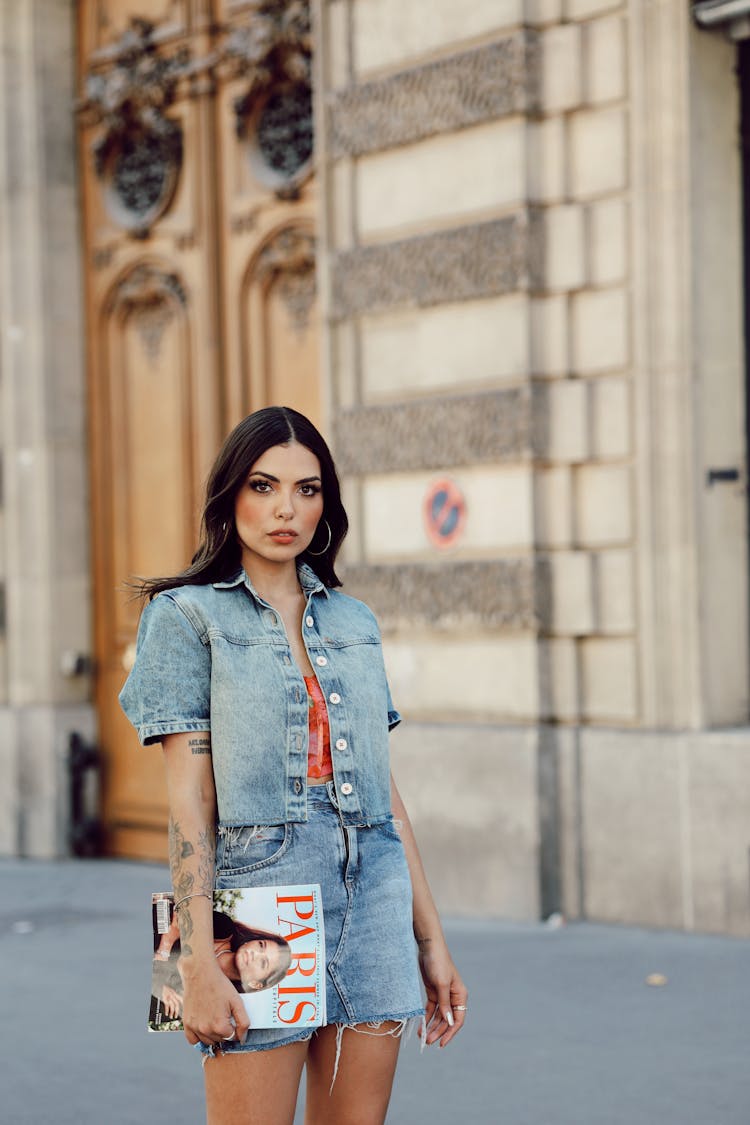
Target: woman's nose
(285, 507)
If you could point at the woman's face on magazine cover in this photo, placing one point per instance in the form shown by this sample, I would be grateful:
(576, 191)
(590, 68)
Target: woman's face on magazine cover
(256, 960)
(278, 508)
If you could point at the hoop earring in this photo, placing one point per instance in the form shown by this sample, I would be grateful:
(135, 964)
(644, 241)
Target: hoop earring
(328, 544)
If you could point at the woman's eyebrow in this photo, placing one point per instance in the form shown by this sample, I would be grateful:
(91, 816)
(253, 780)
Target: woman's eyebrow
(270, 476)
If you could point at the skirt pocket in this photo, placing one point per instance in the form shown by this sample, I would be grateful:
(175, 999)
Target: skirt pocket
(241, 851)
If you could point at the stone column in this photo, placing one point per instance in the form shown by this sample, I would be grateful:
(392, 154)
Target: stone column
(44, 560)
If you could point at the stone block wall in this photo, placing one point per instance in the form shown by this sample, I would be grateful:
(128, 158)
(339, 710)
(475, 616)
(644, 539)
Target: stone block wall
(478, 260)
(509, 224)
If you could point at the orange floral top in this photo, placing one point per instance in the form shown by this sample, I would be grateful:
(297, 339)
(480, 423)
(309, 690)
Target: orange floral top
(319, 762)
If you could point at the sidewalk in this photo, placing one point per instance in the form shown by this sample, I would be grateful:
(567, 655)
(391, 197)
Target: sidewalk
(563, 1028)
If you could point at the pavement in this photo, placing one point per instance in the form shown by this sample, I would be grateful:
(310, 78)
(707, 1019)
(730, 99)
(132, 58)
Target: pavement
(564, 1028)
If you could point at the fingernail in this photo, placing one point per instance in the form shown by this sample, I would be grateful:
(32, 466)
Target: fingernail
(449, 1018)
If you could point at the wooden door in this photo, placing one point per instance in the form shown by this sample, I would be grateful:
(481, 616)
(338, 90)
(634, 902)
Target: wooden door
(200, 303)
(267, 212)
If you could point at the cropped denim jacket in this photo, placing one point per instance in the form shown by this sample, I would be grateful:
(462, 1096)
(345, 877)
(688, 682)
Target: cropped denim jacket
(217, 657)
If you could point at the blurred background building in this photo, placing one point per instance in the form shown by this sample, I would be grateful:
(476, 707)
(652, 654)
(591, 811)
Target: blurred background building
(497, 250)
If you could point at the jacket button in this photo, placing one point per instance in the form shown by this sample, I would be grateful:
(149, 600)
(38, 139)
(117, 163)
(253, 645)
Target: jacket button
(321, 661)
(309, 621)
(298, 786)
(341, 744)
(346, 788)
(334, 697)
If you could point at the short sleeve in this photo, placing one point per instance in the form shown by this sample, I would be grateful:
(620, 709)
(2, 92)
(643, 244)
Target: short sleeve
(168, 690)
(394, 717)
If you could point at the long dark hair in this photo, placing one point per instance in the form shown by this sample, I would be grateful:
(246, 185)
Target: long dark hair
(219, 554)
(243, 933)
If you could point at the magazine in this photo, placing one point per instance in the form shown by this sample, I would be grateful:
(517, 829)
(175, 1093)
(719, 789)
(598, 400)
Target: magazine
(269, 941)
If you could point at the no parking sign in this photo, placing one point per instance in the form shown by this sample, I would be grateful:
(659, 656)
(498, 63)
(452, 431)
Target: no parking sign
(444, 513)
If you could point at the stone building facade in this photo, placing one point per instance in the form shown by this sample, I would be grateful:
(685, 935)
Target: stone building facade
(534, 286)
(532, 293)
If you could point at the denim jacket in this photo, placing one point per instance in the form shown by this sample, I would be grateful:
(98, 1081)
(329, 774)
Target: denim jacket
(216, 657)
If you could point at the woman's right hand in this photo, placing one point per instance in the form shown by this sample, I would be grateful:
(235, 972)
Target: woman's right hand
(212, 1010)
(172, 1002)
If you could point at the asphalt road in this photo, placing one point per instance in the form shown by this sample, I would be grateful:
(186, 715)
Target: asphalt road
(563, 1029)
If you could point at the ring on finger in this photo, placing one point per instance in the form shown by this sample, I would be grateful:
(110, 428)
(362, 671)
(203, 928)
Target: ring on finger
(226, 1038)
(459, 1008)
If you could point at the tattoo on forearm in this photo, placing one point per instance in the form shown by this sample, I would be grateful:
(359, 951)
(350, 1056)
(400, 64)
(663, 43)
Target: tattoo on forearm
(200, 745)
(179, 849)
(186, 931)
(206, 862)
(187, 882)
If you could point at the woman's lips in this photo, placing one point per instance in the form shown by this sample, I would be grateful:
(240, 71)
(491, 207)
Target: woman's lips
(283, 536)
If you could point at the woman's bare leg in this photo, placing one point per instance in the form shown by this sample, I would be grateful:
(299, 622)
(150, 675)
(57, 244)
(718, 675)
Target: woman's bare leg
(255, 1087)
(362, 1090)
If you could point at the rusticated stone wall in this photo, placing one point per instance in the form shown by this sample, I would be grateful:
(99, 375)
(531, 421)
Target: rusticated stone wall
(484, 187)
(435, 433)
(490, 81)
(481, 260)
(507, 245)
(496, 594)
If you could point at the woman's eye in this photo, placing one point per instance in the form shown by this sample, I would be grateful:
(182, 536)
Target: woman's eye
(260, 485)
(310, 489)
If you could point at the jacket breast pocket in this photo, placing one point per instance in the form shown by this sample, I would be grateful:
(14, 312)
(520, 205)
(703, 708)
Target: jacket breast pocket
(241, 851)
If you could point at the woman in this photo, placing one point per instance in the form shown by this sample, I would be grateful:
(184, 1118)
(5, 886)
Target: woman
(228, 660)
(251, 959)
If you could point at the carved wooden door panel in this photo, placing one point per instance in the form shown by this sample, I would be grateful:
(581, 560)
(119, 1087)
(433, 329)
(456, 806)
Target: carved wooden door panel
(200, 302)
(267, 208)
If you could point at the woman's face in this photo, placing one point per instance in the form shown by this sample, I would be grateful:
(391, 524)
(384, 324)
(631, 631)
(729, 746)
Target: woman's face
(256, 960)
(278, 508)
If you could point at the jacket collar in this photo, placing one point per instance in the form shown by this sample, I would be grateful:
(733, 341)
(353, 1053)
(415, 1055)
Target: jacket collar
(308, 580)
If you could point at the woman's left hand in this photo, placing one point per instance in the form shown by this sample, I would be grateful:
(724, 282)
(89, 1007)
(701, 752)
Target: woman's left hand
(446, 992)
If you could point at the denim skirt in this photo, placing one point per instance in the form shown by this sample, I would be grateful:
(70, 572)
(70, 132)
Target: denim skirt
(372, 973)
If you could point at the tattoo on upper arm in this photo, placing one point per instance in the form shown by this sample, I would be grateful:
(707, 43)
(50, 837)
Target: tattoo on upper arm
(201, 745)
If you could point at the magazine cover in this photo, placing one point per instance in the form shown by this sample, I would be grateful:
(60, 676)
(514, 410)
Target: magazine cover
(270, 943)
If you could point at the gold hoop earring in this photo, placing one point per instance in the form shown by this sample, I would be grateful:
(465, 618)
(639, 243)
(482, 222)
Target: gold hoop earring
(328, 544)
